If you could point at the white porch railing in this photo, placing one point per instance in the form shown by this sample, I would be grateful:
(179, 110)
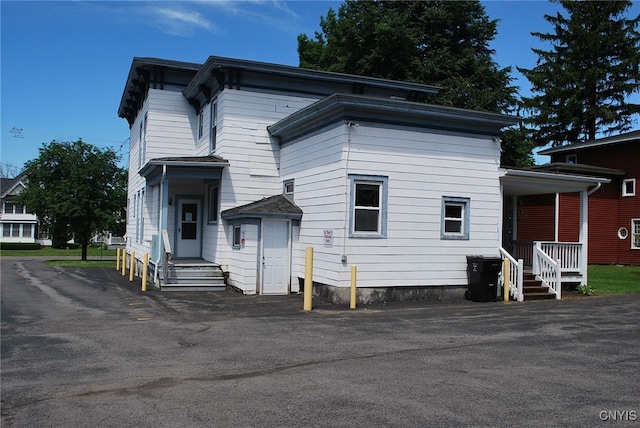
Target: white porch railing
(516, 275)
(547, 270)
(568, 253)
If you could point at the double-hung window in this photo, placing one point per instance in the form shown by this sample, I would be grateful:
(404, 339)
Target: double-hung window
(368, 217)
(635, 233)
(455, 218)
(214, 125)
(200, 124)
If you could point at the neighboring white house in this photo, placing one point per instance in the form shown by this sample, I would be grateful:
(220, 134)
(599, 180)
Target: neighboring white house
(18, 224)
(246, 164)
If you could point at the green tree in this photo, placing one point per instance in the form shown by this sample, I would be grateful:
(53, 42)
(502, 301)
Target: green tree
(77, 190)
(442, 43)
(581, 85)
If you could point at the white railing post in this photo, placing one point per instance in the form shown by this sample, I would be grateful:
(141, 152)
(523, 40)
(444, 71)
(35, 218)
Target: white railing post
(520, 273)
(558, 280)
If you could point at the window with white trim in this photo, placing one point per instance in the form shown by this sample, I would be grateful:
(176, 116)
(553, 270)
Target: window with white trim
(213, 203)
(237, 236)
(213, 112)
(287, 189)
(200, 124)
(629, 187)
(368, 206)
(455, 218)
(142, 142)
(635, 233)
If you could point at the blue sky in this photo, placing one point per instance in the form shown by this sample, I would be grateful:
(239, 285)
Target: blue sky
(64, 64)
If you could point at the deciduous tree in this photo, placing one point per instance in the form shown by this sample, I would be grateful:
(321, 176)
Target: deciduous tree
(76, 189)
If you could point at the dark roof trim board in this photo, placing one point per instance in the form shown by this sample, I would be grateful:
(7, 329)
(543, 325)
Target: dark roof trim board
(347, 107)
(206, 167)
(137, 81)
(215, 63)
(627, 137)
(579, 169)
(272, 207)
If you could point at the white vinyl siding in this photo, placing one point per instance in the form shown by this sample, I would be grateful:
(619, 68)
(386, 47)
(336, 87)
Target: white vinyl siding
(421, 168)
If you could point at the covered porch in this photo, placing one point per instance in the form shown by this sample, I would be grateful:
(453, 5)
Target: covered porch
(549, 263)
(182, 196)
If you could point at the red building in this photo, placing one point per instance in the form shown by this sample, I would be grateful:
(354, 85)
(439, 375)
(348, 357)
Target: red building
(613, 208)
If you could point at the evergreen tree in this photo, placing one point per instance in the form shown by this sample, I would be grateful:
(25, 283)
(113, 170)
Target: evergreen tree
(77, 190)
(581, 85)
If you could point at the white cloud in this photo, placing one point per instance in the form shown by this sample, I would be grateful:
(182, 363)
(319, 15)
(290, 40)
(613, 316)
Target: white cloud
(179, 21)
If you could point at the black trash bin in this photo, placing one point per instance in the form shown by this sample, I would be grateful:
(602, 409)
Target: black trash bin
(482, 273)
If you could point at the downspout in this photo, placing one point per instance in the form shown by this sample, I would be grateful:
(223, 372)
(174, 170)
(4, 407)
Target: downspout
(595, 189)
(162, 221)
(346, 194)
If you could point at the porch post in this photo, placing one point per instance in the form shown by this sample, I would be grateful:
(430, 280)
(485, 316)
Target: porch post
(164, 199)
(584, 234)
(556, 219)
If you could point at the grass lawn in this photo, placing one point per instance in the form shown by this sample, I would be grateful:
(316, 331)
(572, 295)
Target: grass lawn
(57, 252)
(82, 263)
(614, 279)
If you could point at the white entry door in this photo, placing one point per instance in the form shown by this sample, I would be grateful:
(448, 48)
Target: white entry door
(275, 257)
(189, 229)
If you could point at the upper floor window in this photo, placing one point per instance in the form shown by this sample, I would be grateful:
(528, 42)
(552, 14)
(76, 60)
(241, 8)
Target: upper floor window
(573, 159)
(455, 218)
(629, 187)
(368, 206)
(214, 125)
(200, 124)
(287, 189)
(142, 142)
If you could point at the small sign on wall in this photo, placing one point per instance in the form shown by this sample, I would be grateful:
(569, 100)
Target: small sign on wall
(328, 237)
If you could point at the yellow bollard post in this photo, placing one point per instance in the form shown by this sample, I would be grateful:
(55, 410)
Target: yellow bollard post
(145, 269)
(506, 273)
(354, 295)
(124, 261)
(308, 280)
(118, 259)
(132, 265)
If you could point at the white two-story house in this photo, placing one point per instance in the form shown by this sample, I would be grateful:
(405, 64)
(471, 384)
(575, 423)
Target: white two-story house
(243, 165)
(18, 223)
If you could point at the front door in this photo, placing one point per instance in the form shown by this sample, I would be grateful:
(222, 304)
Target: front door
(275, 257)
(189, 229)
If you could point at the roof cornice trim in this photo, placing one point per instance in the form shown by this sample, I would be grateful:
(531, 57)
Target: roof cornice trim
(391, 111)
(215, 63)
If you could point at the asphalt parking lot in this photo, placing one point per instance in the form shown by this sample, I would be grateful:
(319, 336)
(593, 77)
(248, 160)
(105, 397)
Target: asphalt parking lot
(85, 347)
